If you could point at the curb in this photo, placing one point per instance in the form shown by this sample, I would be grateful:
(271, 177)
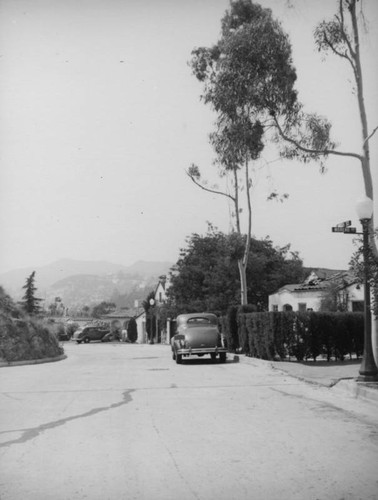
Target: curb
(4, 364)
(367, 391)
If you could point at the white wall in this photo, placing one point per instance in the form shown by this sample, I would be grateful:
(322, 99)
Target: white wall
(141, 327)
(311, 298)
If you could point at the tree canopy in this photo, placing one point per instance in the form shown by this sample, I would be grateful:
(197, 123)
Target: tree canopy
(250, 66)
(247, 76)
(206, 278)
(103, 308)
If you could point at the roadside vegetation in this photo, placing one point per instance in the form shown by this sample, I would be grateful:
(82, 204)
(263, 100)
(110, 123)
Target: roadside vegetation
(206, 275)
(249, 80)
(24, 335)
(294, 335)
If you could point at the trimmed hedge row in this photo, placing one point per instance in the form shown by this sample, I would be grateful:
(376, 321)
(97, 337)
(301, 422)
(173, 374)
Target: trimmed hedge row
(282, 335)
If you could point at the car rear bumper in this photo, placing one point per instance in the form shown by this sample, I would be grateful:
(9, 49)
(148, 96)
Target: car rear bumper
(200, 350)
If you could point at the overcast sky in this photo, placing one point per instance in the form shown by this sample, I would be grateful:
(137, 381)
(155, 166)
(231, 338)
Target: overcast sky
(100, 117)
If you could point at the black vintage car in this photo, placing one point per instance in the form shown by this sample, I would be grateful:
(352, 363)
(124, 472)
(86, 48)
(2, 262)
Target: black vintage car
(198, 334)
(88, 333)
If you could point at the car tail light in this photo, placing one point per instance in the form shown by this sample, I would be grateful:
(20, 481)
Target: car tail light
(183, 343)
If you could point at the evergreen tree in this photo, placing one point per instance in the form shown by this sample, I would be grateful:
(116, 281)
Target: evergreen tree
(30, 302)
(132, 331)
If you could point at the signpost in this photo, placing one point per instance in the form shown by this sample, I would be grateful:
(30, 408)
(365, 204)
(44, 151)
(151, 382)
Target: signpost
(345, 227)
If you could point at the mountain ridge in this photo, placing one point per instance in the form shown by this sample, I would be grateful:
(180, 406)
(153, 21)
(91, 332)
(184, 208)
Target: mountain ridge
(48, 275)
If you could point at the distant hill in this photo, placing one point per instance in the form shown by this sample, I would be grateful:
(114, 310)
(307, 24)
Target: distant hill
(50, 278)
(146, 268)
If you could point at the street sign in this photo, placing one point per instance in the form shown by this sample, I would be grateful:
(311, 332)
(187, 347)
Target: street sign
(344, 229)
(347, 223)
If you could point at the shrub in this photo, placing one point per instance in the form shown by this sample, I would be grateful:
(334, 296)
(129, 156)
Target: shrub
(71, 328)
(269, 335)
(26, 339)
(132, 331)
(230, 329)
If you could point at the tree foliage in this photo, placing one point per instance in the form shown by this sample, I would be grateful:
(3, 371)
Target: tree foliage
(357, 266)
(247, 76)
(30, 302)
(206, 278)
(103, 308)
(334, 299)
(132, 331)
(7, 305)
(250, 66)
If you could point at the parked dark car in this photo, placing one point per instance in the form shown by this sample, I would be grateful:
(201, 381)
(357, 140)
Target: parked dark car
(198, 334)
(88, 333)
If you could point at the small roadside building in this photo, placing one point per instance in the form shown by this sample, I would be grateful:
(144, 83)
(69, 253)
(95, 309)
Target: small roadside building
(308, 296)
(160, 298)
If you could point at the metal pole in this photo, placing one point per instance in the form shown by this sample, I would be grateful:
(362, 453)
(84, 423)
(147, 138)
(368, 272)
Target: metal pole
(368, 370)
(157, 326)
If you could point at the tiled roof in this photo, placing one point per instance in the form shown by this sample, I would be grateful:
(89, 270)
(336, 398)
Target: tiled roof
(318, 280)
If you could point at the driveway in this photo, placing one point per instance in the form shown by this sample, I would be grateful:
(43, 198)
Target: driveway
(121, 421)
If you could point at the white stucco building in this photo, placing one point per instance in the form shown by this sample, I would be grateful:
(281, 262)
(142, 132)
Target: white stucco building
(307, 296)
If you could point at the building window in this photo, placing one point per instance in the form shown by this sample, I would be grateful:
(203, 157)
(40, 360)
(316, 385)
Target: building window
(160, 297)
(302, 307)
(275, 308)
(287, 307)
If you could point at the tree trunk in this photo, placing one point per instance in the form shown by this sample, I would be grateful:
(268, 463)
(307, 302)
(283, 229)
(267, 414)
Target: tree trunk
(365, 163)
(243, 263)
(243, 282)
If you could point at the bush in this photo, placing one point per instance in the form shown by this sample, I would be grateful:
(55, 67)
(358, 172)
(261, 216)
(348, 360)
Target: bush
(268, 335)
(132, 331)
(23, 338)
(71, 329)
(26, 339)
(230, 329)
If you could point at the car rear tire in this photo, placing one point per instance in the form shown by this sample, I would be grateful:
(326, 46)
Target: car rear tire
(173, 356)
(222, 357)
(179, 359)
(213, 356)
(87, 340)
(78, 341)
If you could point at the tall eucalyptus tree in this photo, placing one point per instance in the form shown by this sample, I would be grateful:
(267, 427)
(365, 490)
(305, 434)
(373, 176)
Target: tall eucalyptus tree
(247, 75)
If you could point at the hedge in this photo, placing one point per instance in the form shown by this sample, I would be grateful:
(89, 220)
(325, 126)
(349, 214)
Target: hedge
(282, 335)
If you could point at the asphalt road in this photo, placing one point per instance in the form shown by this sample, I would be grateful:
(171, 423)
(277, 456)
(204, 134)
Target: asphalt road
(120, 421)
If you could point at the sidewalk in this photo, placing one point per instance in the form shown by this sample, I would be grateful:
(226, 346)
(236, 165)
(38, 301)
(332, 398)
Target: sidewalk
(338, 375)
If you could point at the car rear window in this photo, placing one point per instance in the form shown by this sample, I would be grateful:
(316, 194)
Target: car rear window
(199, 321)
